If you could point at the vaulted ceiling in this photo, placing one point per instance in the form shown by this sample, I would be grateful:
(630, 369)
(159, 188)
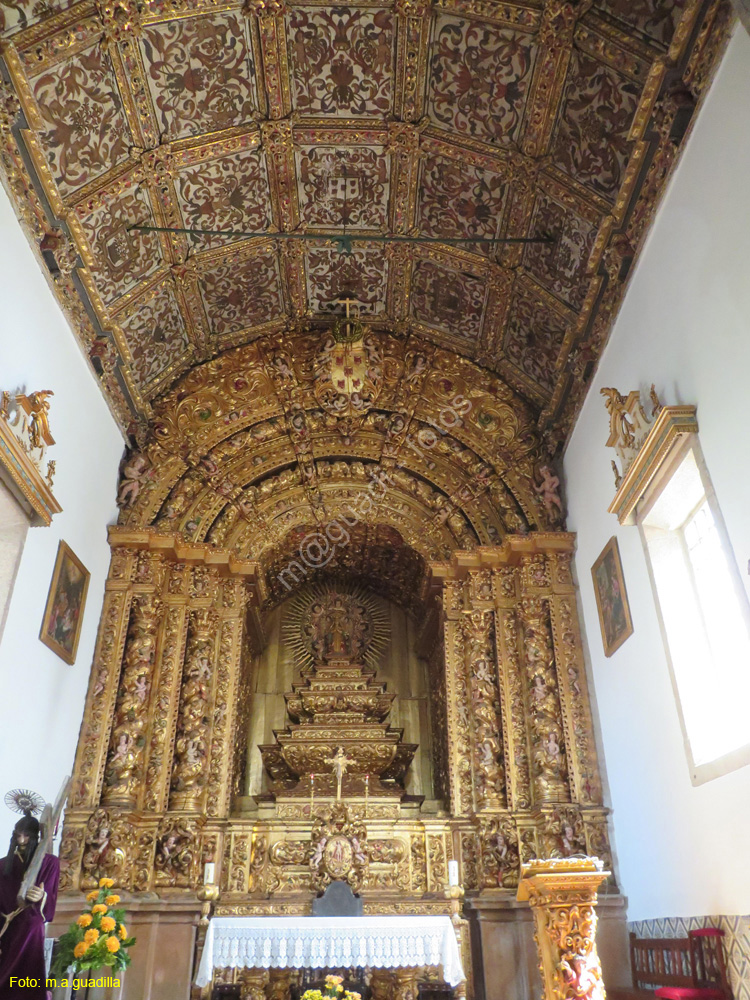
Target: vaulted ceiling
(447, 119)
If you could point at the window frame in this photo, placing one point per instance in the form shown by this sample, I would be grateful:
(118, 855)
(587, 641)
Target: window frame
(700, 773)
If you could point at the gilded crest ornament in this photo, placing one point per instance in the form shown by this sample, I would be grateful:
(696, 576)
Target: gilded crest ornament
(339, 849)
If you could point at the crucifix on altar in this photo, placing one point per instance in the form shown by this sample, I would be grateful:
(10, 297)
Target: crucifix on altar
(339, 762)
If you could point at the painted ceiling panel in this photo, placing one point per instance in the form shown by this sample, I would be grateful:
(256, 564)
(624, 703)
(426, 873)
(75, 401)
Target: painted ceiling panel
(85, 131)
(200, 73)
(451, 301)
(341, 60)
(241, 294)
(479, 78)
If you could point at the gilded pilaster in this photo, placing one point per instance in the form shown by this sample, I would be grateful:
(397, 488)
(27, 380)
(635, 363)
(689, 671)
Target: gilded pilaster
(459, 739)
(571, 670)
(508, 643)
(103, 681)
(167, 695)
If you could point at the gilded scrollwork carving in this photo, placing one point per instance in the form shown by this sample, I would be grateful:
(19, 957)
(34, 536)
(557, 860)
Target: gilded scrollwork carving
(562, 895)
(500, 853)
(108, 848)
(338, 849)
(563, 833)
(178, 853)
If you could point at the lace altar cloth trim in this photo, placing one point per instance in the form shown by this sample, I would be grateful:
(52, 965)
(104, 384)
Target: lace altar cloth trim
(330, 943)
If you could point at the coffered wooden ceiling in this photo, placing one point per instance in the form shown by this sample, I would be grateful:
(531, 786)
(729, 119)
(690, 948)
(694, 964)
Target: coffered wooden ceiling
(445, 119)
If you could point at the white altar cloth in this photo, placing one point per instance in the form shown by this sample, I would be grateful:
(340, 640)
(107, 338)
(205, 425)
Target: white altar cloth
(330, 943)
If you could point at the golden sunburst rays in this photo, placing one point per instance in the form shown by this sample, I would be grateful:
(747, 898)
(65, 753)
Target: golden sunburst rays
(300, 626)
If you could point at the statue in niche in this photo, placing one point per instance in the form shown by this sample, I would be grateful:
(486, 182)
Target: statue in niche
(338, 627)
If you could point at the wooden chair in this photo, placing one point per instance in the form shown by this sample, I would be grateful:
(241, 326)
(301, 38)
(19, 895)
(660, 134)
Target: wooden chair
(707, 968)
(656, 962)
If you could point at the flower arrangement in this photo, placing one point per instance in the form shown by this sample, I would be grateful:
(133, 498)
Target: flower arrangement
(333, 989)
(98, 937)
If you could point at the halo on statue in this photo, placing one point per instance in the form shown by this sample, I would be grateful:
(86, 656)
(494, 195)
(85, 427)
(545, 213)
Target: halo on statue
(23, 800)
(311, 608)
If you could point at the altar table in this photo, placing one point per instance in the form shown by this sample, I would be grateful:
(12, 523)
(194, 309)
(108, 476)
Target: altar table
(330, 943)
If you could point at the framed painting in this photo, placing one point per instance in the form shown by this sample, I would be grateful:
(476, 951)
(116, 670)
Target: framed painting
(63, 615)
(611, 598)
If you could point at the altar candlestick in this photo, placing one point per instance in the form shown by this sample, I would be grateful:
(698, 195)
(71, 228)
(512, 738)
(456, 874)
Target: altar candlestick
(209, 873)
(312, 794)
(453, 873)
(367, 792)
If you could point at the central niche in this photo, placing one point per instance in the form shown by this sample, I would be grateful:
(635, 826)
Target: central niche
(338, 660)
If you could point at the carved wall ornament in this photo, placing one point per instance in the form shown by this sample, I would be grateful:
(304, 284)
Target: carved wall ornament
(177, 855)
(24, 439)
(643, 443)
(500, 854)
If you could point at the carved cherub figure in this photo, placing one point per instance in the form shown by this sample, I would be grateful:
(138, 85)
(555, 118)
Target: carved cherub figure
(135, 472)
(548, 488)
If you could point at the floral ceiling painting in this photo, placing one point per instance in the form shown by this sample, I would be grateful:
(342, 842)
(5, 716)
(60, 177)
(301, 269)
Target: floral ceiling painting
(442, 119)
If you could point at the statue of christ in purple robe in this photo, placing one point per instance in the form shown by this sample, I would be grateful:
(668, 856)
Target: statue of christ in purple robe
(22, 927)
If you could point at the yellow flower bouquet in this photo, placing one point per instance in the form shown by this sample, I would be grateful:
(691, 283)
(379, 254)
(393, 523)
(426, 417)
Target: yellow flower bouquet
(97, 938)
(333, 989)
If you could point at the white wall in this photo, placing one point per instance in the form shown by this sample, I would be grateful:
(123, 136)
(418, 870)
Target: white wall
(41, 697)
(684, 325)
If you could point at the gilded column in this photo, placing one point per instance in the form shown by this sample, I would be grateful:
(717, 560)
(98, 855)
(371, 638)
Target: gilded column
(562, 895)
(484, 711)
(123, 770)
(194, 720)
(457, 704)
(225, 714)
(167, 691)
(549, 762)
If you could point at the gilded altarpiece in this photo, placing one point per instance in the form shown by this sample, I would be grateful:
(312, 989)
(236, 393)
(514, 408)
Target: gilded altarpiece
(157, 770)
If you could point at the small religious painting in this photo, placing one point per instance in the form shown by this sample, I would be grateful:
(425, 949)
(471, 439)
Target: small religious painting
(611, 598)
(61, 627)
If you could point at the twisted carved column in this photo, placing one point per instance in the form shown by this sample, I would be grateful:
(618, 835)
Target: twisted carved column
(125, 757)
(487, 742)
(194, 721)
(549, 762)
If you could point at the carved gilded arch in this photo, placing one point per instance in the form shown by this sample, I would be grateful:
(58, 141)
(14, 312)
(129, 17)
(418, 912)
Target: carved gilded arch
(246, 447)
